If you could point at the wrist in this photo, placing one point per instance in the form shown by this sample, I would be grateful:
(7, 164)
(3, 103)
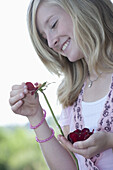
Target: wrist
(41, 122)
(36, 118)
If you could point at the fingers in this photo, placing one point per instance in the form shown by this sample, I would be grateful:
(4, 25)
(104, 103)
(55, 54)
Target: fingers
(22, 102)
(65, 142)
(77, 145)
(83, 144)
(16, 87)
(16, 98)
(86, 143)
(16, 106)
(87, 153)
(17, 94)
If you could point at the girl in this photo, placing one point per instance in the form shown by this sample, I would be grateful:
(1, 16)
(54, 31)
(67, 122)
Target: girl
(73, 38)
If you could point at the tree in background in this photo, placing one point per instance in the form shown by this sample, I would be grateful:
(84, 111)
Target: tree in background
(19, 151)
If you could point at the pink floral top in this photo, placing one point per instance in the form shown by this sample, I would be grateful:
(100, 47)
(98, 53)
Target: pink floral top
(73, 116)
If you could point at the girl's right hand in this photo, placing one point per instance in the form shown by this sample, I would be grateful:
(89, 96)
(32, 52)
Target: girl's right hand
(22, 102)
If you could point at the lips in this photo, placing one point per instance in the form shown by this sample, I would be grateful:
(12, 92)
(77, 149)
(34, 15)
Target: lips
(79, 135)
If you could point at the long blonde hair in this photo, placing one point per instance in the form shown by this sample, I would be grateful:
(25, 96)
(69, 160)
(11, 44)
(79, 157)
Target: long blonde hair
(93, 28)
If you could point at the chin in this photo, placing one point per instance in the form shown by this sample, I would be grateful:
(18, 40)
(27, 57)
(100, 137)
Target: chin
(72, 60)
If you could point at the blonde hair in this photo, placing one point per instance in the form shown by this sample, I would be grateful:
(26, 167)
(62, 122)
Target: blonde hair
(93, 28)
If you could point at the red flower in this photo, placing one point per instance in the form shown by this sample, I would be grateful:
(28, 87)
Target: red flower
(79, 135)
(31, 88)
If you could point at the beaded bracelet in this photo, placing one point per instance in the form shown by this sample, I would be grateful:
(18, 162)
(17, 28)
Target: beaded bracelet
(45, 140)
(34, 127)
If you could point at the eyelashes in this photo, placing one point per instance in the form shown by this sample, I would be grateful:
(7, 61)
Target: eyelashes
(43, 36)
(54, 25)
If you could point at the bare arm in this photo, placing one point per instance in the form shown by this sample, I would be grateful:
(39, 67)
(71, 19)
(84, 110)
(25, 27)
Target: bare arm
(57, 157)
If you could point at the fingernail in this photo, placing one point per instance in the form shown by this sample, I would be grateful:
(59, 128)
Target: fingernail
(25, 90)
(25, 86)
(19, 102)
(21, 95)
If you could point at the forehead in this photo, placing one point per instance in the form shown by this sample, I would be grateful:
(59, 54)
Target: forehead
(45, 11)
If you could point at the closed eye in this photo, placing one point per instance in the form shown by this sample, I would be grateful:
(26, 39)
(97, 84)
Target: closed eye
(53, 26)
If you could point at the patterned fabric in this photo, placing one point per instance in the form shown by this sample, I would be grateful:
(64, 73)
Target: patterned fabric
(105, 123)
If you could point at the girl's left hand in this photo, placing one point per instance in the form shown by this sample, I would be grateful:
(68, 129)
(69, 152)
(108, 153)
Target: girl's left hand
(96, 143)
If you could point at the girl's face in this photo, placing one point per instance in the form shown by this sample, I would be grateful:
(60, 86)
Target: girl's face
(56, 27)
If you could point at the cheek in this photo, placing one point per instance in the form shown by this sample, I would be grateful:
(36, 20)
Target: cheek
(65, 31)
(76, 53)
(66, 27)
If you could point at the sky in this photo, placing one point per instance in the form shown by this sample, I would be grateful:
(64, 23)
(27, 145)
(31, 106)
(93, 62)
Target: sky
(19, 61)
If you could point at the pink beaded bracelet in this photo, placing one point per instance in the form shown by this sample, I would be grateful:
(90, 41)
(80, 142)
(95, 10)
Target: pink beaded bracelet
(45, 140)
(34, 127)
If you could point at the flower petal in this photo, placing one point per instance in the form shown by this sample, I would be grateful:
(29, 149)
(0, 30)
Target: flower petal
(30, 86)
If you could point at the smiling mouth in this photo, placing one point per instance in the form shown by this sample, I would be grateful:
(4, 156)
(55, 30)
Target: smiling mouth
(65, 45)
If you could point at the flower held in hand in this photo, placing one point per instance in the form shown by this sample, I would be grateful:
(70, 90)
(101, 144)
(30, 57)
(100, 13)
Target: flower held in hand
(79, 135)
(32, 88)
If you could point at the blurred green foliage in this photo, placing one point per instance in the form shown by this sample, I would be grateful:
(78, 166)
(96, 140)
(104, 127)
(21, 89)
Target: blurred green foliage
(19, 150)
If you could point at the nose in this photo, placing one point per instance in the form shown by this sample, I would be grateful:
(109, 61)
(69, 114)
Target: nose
(52, 41)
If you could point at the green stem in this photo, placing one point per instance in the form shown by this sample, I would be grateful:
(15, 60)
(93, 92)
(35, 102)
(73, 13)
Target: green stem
(52, 113)
(76, 161)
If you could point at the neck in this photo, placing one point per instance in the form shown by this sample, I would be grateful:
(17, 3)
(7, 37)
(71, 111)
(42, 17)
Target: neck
(93, 77)
(94, 74)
